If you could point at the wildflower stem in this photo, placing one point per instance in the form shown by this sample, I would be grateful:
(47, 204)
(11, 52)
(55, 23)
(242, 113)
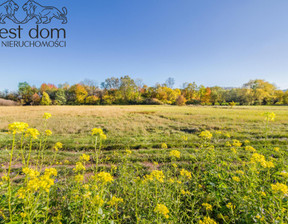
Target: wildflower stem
(9, 181)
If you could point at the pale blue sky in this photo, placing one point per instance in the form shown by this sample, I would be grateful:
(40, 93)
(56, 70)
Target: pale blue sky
(223, 42)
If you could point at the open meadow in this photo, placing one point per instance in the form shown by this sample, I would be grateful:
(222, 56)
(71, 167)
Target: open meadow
(144, 164)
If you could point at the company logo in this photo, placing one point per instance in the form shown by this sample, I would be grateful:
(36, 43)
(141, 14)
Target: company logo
(32, 12)
(7, 10)
(35, 10)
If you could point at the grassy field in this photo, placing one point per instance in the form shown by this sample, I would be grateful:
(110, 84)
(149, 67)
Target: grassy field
(211, 175)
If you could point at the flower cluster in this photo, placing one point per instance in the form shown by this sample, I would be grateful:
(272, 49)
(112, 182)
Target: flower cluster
(236, 143)
(115, 201)
(257, 158)
(186, 174)
(250, 149)
(162, 209)
(207, 220)
(37, 182)
(85, 157)
(17, 127)
(206, 135)
(46, 116)
(79, 167)
(32, 133)
(155, 175)
(99, 132)
(269, 116)
(104, 177)
(207, 206)
(164, 146)
(278, 187)
(175, 153)
(48, 132)
(58, 146)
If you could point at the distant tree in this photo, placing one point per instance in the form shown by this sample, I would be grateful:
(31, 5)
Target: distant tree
(166, 94)
(60, 97)
(45, 100)
(128, 89)
(170, 82)
(90, 86)
(111, 83)
(77, 94)
(261, 92)
(190, 92)
(25, 92)
(36, 99)
(92, 100)
(50, 89)
(181, 101)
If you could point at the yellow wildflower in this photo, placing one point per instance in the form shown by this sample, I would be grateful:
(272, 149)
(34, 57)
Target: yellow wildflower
(103, 136)
(58, 146)
(282, 188)
(79, 167)
(250, 149)
(23, 214)
(184, 137)
(206, 135)
(50, 172)
(30, 172)
(207, 206)
(236, 143)
(171, 180)
(269, 116)
(48, 132)
(46, 116)
(85, 157)
(230, 206)
(284, 174)
(237, 179)
(162, 209)
(228, 144)
(228, 135)
(175, 153)
(277, 149)
(97, 200)
(155, 175)
(128, 152)
(104, 177)
(5, 178)
(21, 193)
(164, 146)
(97, 131)
(32, 132)
(207, 220)
(174, 165)
(79, 178)
(233, 150)
(115, 201)
(185, 192)
(186, 173)
(17, 127)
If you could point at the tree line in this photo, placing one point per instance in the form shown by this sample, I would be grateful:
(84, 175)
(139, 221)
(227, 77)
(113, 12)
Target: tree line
(126, 90)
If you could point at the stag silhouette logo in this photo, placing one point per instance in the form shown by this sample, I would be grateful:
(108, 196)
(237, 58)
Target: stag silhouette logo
(42, 14)
(7, 10)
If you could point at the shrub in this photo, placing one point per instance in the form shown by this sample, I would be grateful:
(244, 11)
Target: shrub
(45, 99)
(92, 100)
(181, 100)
